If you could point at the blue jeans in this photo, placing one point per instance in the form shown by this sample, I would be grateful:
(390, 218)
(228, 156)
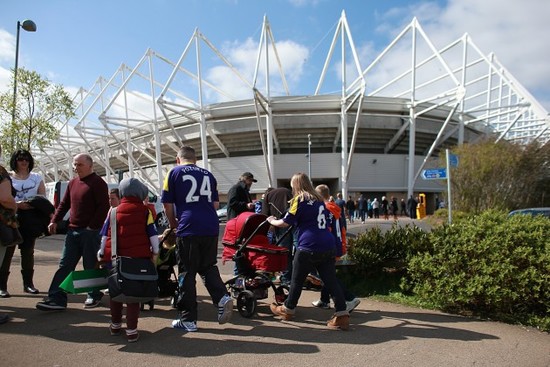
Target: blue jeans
(79, 242)
(324, 262)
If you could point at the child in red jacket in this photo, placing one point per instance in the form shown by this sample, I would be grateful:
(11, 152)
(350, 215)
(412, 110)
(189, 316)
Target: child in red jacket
(137, 238)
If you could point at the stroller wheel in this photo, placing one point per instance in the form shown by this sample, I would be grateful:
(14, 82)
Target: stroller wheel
(246, 304)
(281, 293)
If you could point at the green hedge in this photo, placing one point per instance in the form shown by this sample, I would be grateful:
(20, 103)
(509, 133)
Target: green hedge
(488, 265)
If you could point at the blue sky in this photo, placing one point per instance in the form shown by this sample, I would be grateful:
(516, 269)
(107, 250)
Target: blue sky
(78, 41)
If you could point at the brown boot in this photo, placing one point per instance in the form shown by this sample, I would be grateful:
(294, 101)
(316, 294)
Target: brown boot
(281, 311)
(339, 322)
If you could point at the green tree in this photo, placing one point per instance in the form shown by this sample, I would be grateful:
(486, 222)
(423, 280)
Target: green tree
(501, 175)
(40, 104)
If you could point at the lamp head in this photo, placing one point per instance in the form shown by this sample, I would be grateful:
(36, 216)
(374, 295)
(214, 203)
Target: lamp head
(28, 25)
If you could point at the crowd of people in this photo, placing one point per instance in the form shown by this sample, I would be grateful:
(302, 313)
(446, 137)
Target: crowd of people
(363, 208)
(308, 221)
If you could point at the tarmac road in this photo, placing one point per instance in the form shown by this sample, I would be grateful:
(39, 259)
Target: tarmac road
(382, 334)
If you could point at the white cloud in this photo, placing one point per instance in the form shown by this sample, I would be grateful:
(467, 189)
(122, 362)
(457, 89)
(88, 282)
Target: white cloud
(7, 46)
(515, 31)
(7, 52)
(243, 56)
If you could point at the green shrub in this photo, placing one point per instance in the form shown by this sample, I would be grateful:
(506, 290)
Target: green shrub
(489, 264)
(374, 250)
(367, 251)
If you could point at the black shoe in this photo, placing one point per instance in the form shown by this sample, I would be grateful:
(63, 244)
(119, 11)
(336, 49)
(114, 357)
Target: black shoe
(49, 305)
(30, 289)
(4, 294)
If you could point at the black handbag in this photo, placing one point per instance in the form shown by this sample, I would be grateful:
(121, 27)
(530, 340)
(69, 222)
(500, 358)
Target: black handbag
(131, 280)
(9, 236)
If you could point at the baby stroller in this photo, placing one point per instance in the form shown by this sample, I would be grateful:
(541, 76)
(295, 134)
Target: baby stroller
(167, 278)
(245, 241)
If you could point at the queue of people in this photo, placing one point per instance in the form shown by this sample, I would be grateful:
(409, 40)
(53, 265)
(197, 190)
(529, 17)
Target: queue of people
(366, 208)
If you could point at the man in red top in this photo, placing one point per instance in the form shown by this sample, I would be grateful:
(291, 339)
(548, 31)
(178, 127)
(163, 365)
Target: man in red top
(88, 200)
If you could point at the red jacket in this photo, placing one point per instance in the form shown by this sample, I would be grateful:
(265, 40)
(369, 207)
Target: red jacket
(132, 237)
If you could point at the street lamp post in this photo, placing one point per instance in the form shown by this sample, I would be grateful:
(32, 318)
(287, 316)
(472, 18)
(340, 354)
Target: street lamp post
(29, 26)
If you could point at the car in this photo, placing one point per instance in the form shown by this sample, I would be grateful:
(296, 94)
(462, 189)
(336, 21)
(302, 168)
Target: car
(222, 213)
(531, 211)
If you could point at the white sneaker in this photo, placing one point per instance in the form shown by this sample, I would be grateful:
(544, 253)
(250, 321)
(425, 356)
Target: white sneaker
(350, 305)
(185, 325)
(225, 308)
(321, 304)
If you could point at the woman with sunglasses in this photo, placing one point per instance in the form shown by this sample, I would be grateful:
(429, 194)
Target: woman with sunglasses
(27, 184)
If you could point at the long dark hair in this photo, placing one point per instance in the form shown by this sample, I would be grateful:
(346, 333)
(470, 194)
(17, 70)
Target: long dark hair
(21, 153)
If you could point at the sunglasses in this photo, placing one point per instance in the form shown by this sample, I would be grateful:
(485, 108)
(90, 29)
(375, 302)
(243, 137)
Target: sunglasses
(23, 159)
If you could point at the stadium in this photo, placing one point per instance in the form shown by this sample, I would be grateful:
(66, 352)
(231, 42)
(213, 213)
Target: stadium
(370, 126)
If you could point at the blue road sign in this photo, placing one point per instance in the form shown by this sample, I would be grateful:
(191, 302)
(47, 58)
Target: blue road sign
(434, 174)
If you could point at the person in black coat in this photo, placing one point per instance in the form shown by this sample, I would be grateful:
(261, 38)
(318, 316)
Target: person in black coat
(238, 197)
(411, 207)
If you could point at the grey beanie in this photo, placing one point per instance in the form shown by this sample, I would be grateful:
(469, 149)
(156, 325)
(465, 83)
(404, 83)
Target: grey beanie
(133, 187)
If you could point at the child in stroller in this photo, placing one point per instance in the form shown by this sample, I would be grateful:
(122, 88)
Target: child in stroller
(246, 242)
(167, 277)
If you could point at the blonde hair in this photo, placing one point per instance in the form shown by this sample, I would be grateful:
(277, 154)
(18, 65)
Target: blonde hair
(324, 191)
(303, 189)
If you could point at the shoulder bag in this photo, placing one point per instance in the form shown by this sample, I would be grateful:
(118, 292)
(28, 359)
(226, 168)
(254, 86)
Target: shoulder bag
(9, 236)
(131, 280)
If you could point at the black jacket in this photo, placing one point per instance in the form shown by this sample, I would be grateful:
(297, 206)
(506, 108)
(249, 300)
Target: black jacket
(237, 199)
(34, 222)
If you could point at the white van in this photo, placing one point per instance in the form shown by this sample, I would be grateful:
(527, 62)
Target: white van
(56, 190)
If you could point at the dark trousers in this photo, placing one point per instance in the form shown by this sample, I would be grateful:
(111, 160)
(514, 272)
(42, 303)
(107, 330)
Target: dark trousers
(324, 262)
(26, 250)
(197, 255)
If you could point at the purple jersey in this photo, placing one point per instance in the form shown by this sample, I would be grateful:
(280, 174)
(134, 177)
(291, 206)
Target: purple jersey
(193, 190)
(312, 221)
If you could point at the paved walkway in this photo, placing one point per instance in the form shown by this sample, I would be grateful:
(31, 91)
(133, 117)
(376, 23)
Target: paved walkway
(381, 334)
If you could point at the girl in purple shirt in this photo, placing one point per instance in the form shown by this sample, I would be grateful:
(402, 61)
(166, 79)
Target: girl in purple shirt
(315, 250)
